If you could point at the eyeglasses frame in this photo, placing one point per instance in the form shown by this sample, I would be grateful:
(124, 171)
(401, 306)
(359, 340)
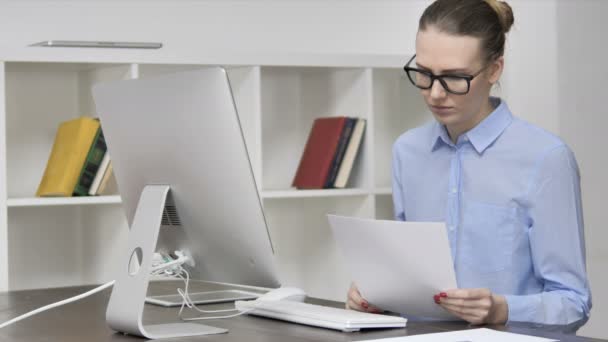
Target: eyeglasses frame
(434, 77)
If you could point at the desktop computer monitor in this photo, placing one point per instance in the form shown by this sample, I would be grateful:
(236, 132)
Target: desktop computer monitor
(182, 131)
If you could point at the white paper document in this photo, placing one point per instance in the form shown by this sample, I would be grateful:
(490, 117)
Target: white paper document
(474, 335)
(397, 266)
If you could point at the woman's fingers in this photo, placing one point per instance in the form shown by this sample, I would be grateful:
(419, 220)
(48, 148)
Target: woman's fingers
(476, 312)
(468, 315)
(356, 302)
(468, 293)
(352, 305)
(484, 303)
(355, 296)
(473, 305)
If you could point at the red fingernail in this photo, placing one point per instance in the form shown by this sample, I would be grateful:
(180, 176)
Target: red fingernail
(364, 304)
(443, 294)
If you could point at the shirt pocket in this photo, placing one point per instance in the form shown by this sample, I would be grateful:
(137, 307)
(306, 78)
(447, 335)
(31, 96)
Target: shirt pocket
(488, 236)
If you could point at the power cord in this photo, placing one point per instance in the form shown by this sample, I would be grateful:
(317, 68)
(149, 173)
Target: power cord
(166, 267)
(156, 268)
(54, 305)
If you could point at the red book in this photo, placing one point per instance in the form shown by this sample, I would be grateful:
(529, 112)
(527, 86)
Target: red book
(319, 153)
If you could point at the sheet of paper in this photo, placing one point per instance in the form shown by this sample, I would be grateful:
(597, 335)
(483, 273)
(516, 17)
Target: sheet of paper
(474, 335)
(397, 266)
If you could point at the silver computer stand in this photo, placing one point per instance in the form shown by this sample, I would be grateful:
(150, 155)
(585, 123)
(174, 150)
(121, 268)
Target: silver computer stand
(126, 305)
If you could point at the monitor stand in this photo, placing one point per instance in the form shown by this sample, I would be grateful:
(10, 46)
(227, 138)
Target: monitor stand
(126, 305)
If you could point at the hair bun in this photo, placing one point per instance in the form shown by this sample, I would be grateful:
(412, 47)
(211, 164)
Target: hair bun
(505, 13)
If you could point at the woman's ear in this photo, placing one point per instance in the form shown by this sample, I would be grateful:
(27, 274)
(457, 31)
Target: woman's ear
(496, 69)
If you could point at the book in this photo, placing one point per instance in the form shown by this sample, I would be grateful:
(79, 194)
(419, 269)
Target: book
(91, 166)
(319, 152)
(344, 139)
(70, 148)
(108, 184)
(350, 155)
(103, 166)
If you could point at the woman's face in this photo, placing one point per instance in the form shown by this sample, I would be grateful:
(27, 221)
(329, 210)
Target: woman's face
(443, 54)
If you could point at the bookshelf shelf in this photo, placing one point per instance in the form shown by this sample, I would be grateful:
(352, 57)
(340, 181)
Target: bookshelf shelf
(278, 194)
(62, 201)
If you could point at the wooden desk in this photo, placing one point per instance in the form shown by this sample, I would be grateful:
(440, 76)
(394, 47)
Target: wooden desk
(85, 321)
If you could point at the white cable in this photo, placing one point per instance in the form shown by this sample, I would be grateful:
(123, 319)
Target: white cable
(155, 270)
(187, 301)
(168, 269)
(54, 305)
(179, 261)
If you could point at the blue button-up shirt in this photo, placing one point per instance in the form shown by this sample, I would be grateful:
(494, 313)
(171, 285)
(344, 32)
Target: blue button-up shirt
(509, 194)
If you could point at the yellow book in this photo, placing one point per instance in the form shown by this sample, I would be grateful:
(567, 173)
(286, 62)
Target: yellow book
(70, 149)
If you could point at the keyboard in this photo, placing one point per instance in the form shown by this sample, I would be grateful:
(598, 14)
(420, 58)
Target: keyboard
(318, 315)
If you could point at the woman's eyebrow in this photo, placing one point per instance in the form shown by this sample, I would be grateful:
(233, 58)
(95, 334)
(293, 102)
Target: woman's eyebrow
(447, 71)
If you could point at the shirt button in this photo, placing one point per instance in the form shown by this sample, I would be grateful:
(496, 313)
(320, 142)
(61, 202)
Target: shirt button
(454, 190)
(451, 228)
(466, 139)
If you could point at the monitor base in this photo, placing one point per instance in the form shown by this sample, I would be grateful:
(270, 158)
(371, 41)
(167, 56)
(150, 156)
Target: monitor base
(171, 330)
(126, 305)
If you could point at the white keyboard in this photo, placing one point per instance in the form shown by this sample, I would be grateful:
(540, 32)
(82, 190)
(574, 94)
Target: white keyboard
(320, 316)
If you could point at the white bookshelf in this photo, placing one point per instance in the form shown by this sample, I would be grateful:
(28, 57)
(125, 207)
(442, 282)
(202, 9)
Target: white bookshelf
(77, 240)
(62, 201)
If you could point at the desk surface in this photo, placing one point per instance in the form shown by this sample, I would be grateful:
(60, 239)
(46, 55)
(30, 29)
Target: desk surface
(85, 321)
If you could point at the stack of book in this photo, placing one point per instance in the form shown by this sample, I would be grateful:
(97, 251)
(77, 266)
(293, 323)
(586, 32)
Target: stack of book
(79, 164)
(330, 153)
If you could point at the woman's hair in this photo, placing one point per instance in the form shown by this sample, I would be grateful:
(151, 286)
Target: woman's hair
(489, 20)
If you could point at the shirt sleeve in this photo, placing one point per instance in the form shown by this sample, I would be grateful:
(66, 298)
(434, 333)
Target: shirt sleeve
(557, 245)
(397, 186)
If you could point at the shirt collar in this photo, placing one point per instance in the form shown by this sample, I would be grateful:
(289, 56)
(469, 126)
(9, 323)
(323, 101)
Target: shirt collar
(440, 136)
(482, 135)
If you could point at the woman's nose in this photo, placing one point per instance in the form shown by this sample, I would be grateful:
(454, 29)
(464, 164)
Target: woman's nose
(437, 90)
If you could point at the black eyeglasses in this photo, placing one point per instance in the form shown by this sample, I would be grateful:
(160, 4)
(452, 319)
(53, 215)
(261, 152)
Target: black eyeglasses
(455, 84)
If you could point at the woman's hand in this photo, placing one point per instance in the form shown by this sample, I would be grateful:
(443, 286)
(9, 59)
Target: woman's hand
(476, 306)
(356, 302)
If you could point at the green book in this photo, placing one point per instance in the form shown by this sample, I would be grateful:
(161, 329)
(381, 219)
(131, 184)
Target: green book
(91, 165)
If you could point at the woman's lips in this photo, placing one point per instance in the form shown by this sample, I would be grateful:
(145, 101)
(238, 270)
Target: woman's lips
(442, 110)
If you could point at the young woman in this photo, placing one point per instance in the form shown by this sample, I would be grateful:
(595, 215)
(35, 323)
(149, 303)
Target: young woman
(508, 191)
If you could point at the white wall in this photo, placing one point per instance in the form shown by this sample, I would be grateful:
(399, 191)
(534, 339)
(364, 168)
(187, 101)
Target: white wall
(531, 40)
(267, 25)
(546, 39)
(582, 87)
